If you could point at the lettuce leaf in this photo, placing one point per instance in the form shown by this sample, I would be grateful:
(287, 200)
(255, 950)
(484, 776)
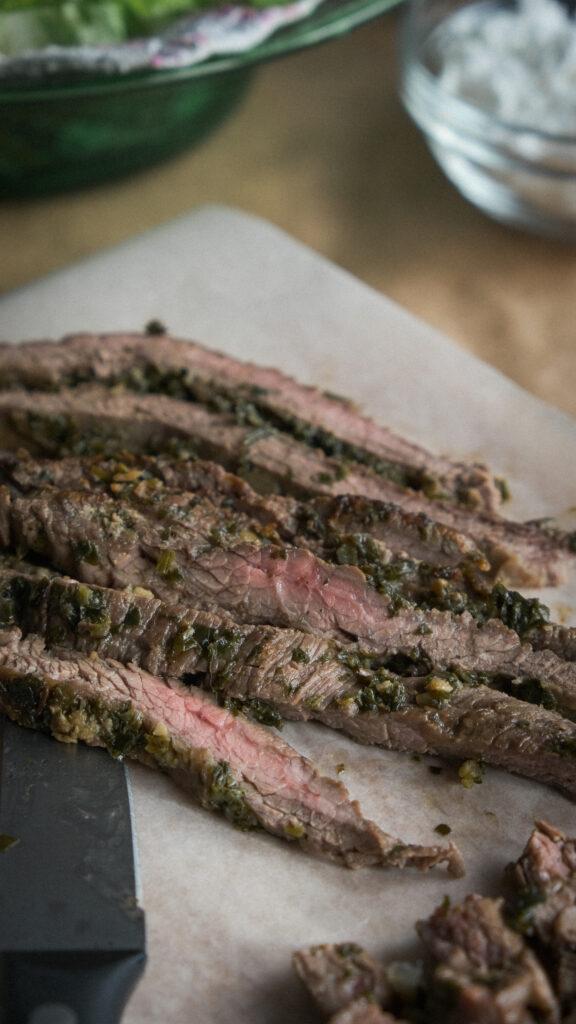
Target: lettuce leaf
(31, 25)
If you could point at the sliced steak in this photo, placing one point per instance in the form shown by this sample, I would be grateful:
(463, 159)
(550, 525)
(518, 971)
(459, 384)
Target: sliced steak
(274, 674)
(343, 530)
(484, 973)
(229, 763)
(255, 395)
(195, 556)
(469, 724)
(544, 905)
(320, 523)
(98, 420)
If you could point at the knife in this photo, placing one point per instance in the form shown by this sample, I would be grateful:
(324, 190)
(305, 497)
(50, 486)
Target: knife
(72, 934)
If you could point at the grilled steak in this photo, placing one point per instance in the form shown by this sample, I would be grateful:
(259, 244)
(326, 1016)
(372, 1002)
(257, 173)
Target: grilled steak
(255, 395)
(275, 674)
(544, 905)
(97, 419)
(320, 523)
(484, 971)
(346, 530)
(228, 763)
(330, 602)
(192, 552)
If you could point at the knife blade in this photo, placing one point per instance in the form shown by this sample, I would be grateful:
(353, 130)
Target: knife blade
(72, 933)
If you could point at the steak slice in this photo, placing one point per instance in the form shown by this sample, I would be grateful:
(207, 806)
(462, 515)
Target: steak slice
(251, 580)
(256, 395)
(469, 724)
(95, 419)
(228, 763)
(484, 972)
(544, 905)
(320, 523)
(275, 674)
(344, 530)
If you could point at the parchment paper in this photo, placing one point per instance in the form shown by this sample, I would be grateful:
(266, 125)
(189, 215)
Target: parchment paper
(226, 910)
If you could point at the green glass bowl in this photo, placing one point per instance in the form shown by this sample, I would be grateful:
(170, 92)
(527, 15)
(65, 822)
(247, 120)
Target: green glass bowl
(63, 135)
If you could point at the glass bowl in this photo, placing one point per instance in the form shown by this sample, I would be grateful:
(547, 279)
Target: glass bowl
(521, 175)
(64, 134)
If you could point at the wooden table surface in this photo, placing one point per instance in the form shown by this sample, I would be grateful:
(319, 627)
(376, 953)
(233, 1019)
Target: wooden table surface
(321, 147)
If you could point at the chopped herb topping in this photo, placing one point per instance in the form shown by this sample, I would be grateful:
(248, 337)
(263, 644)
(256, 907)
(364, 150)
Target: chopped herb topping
(294, 830)
(79, 609)
(521, 914)
(256, 708)
(300, 656)
(503, 487)
(471, 773)
(85, 551)
(166, 566)
(361, 550)
(519, 613)
(155, 327)
(533, 691)
(382, 695)
(223, 793)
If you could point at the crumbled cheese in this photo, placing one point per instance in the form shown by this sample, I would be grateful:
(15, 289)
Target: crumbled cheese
(518, 63)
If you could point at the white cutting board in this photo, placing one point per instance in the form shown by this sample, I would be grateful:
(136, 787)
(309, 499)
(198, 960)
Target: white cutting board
(226, 910)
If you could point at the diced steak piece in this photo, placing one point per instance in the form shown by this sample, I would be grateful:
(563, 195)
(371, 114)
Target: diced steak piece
(544, 906)
(362, 1012)
(257, 395)
(99, 420)
(337, 975)
(484, 973)
(229, 763)
(284, 673)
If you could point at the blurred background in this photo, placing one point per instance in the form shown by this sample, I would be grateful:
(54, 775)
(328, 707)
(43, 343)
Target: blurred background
(321, 147)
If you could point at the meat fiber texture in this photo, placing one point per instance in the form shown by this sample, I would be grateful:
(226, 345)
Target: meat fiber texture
(225, 910)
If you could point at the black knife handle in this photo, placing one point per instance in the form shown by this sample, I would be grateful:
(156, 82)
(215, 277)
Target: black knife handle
(67, 988)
